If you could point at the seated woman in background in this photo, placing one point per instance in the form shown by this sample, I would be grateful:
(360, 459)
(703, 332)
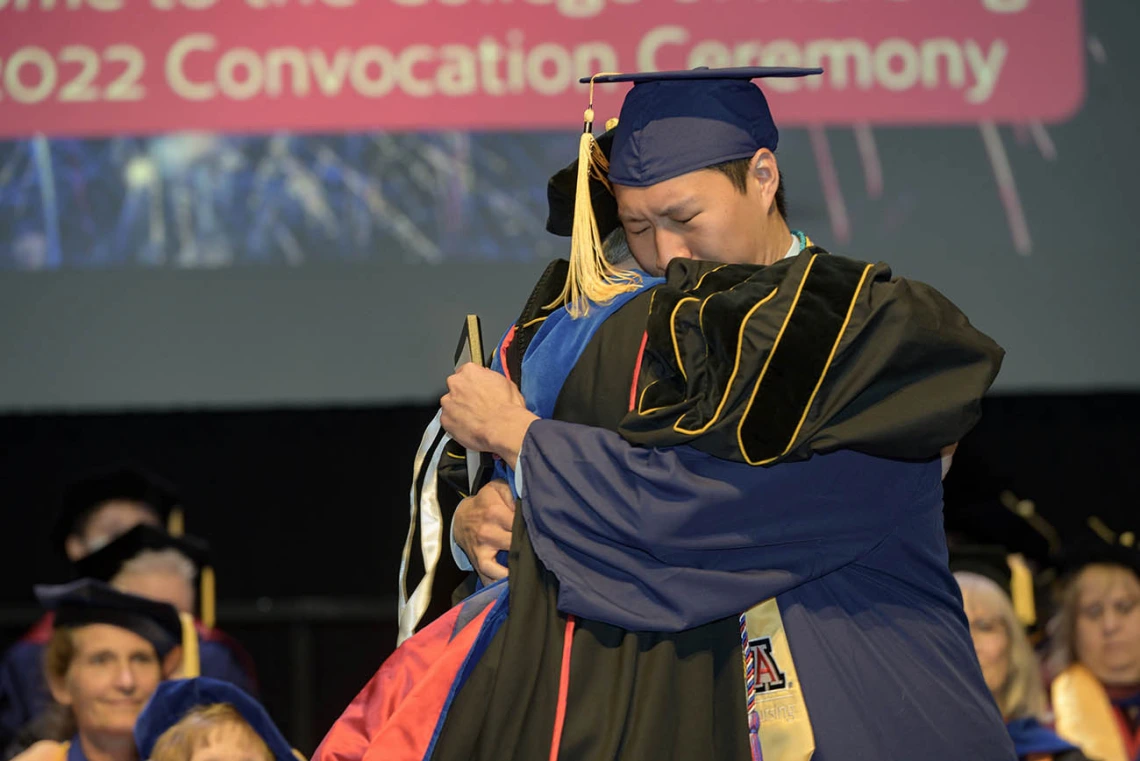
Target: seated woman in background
(1010, 669)
(206, 719)
(108, 652)
(1096, 694)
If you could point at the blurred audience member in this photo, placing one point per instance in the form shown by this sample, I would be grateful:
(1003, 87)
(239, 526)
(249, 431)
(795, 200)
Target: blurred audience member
(107, 654)
(207, 720)
(151, 563)
(98, 508)
(110, 527)
(1096, 647)
(1010, 667)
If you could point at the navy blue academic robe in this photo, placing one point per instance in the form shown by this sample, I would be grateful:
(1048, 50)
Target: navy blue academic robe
(630, 563)
(852, 546)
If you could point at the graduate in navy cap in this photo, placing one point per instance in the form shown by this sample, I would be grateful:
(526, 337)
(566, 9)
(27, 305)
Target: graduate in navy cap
(203, 718)
(108, 652)
(728, 537)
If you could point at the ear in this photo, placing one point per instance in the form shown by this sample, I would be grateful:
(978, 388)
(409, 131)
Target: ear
(764, 177)
(172, 663)
(59, 690)
(74, 547)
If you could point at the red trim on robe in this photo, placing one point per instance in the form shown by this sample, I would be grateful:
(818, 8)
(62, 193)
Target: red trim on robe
(1131, 737)
(508, 339)
(563, 689)
(244, 659)
(395, 715)
(637, 372)
(41, 630)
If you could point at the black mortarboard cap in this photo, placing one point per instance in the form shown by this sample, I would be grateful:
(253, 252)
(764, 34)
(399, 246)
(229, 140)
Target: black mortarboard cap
(174, 699)
(105, 563)
(126, 483)
(560, 191)
(89, 601)
(1008, 571)
(1101, 545)
(990, 561)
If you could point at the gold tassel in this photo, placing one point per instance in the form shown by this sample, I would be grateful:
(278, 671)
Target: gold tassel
(1021, 590)
(176, 523)
(1103, 531)
(191, 667)
(1027, 510)
(207, 604)
(590, 278)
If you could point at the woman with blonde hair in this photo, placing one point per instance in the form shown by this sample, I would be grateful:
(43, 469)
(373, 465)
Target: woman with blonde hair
(1096, 654)
(109, 651)
(206, 719)
(1010, 669)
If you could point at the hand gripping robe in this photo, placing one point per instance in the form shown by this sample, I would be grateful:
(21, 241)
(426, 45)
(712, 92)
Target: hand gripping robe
(728, 438)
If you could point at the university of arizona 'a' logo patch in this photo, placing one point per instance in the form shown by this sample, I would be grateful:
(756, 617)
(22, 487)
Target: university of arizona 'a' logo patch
(768, 674)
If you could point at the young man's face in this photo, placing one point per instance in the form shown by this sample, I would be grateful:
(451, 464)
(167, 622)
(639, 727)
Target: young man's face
(700, 215)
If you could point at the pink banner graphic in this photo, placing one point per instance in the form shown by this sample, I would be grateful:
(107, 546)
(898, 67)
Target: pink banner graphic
(101, 67)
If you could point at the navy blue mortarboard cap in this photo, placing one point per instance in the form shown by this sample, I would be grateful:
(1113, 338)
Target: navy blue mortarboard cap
(676, 122)
(672, 123)
(174, 699)
(88, 601)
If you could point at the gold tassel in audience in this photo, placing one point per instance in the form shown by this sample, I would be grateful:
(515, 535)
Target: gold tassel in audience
(206, 597)
(1021, 590)
(191, 666)
(176, 522)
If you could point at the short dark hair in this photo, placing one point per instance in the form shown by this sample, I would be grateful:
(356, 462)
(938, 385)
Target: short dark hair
(737, 171)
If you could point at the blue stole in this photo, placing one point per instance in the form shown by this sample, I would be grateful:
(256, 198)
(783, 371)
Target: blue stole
(551, 356)
(75, 750)
(555, 350)
(1030, 737)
